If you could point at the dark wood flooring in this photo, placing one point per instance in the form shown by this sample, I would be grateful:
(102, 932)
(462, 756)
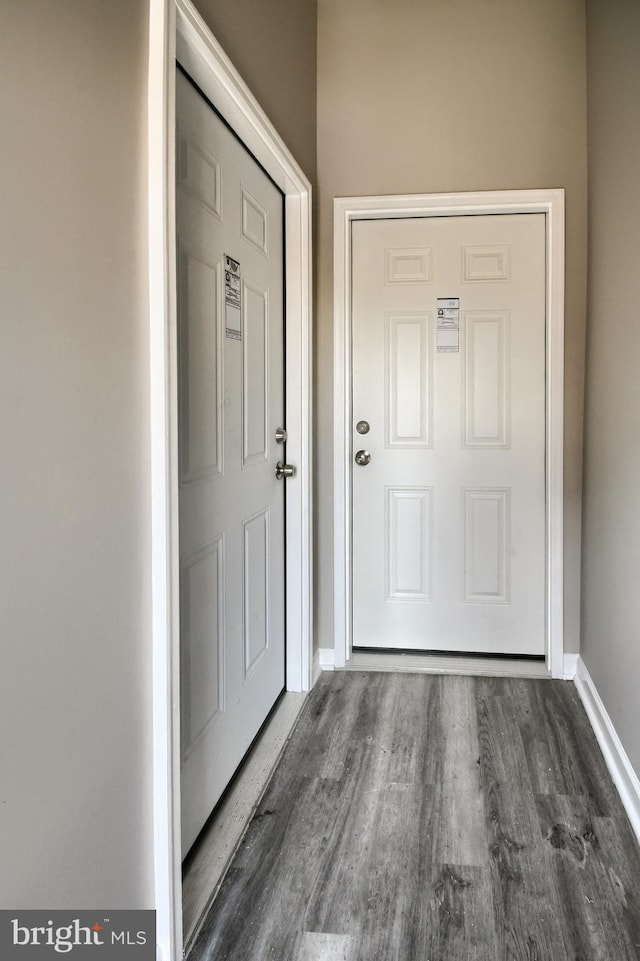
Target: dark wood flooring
(434, 818)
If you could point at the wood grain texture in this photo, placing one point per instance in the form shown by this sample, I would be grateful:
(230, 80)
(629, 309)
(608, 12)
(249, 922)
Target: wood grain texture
(526, 922)
(416, 817)
(559, 745)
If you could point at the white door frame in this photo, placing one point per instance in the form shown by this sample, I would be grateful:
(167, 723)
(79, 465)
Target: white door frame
(176, 30)
(348, 209)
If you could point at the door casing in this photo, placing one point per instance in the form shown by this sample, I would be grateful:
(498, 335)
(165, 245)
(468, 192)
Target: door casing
(177, 31)
(348, 209)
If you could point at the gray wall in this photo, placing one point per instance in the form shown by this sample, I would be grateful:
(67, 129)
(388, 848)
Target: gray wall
(273, 45)
(75, 677)
(611, 545)
(75, 685)
(75, 696)
(452, 95)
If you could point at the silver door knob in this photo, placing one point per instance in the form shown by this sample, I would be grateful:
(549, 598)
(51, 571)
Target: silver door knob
(362, 457)
(284, 470)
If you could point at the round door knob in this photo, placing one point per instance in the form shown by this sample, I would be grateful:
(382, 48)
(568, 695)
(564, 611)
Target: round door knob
(284, 470)
(362, 458)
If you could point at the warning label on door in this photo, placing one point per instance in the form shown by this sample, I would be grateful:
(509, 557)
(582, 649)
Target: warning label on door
(448, 325)
(232, 298)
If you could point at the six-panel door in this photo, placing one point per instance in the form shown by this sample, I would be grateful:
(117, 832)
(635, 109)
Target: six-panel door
(231, 401)
(449, 514)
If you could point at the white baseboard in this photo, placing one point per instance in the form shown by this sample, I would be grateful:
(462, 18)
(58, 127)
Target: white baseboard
(570, 666)
(620, 768)
(326, 658)
(316, 670)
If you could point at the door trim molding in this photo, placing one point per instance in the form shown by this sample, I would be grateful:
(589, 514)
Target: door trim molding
(348, 209)
(176, 30)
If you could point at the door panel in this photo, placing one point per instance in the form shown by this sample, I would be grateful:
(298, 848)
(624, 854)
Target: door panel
(409, 539)
(409, 360)
(200, 350)
(449, 514)
(255, 376)
(486, 378)
(202, 634)
(231, 400)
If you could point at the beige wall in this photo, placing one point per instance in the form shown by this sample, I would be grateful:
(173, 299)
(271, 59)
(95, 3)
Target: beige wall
(75, 679)
(75, 724)
(449, 95)
(273, 45)
(75, 683)
(611, 552)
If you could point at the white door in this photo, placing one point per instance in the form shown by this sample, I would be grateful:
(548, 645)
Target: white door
(449, 513)
(231, 401)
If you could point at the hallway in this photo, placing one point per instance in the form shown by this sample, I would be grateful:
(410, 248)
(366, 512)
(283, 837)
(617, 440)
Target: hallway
(434, 818)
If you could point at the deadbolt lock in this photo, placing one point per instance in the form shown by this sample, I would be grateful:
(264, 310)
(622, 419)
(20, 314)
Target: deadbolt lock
(363, 427)
(281, 435)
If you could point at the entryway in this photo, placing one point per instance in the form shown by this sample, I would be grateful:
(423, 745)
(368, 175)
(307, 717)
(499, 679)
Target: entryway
(448, 425)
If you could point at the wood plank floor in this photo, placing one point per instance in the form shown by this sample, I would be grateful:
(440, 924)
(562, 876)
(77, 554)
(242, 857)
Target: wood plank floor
(433, 818)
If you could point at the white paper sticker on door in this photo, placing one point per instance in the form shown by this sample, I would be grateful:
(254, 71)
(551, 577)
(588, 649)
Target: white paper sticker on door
(232, 298)
(448, 326)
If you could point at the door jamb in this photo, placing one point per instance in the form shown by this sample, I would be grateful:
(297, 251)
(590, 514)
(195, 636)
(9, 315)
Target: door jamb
(348, 209)
(176, 30)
